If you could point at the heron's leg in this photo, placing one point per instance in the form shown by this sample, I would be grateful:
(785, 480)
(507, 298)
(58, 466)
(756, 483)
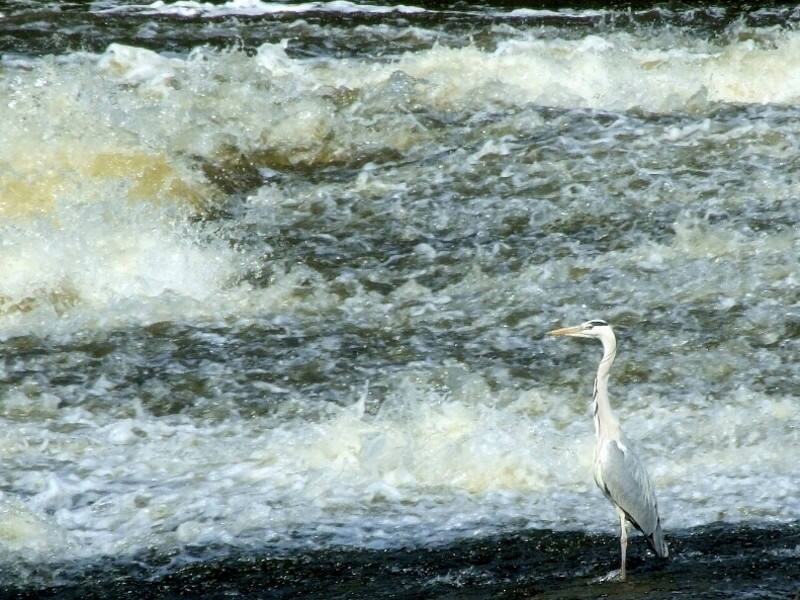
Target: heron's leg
(623, 544)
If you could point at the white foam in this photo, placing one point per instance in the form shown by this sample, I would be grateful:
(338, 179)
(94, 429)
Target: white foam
(136, 66)
(425, 468)
(238, 482)
(190, 8)
(27, 534)
(102, 267)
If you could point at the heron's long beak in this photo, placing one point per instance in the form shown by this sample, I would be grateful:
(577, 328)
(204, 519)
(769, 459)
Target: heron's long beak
(577, 330)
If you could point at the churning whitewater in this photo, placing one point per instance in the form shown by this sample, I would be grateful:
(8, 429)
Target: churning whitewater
(275, 278)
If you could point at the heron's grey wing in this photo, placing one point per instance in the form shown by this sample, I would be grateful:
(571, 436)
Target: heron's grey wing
(621, 475)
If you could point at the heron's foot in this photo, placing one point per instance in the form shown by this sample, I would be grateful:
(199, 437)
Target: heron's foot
(615, 575)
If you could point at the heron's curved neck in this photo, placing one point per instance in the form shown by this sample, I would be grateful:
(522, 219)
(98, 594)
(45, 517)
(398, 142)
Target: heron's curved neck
(606, 424)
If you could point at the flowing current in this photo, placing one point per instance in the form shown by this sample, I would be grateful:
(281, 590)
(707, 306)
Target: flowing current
(275, 279)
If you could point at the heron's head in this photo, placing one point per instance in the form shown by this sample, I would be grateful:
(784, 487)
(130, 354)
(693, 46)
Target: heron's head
(595, 328)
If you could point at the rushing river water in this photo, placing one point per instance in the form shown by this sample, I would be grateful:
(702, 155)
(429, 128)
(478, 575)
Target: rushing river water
(275, 281)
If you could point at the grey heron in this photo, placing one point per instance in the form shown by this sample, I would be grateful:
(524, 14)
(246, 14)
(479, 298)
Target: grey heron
(618, 470)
